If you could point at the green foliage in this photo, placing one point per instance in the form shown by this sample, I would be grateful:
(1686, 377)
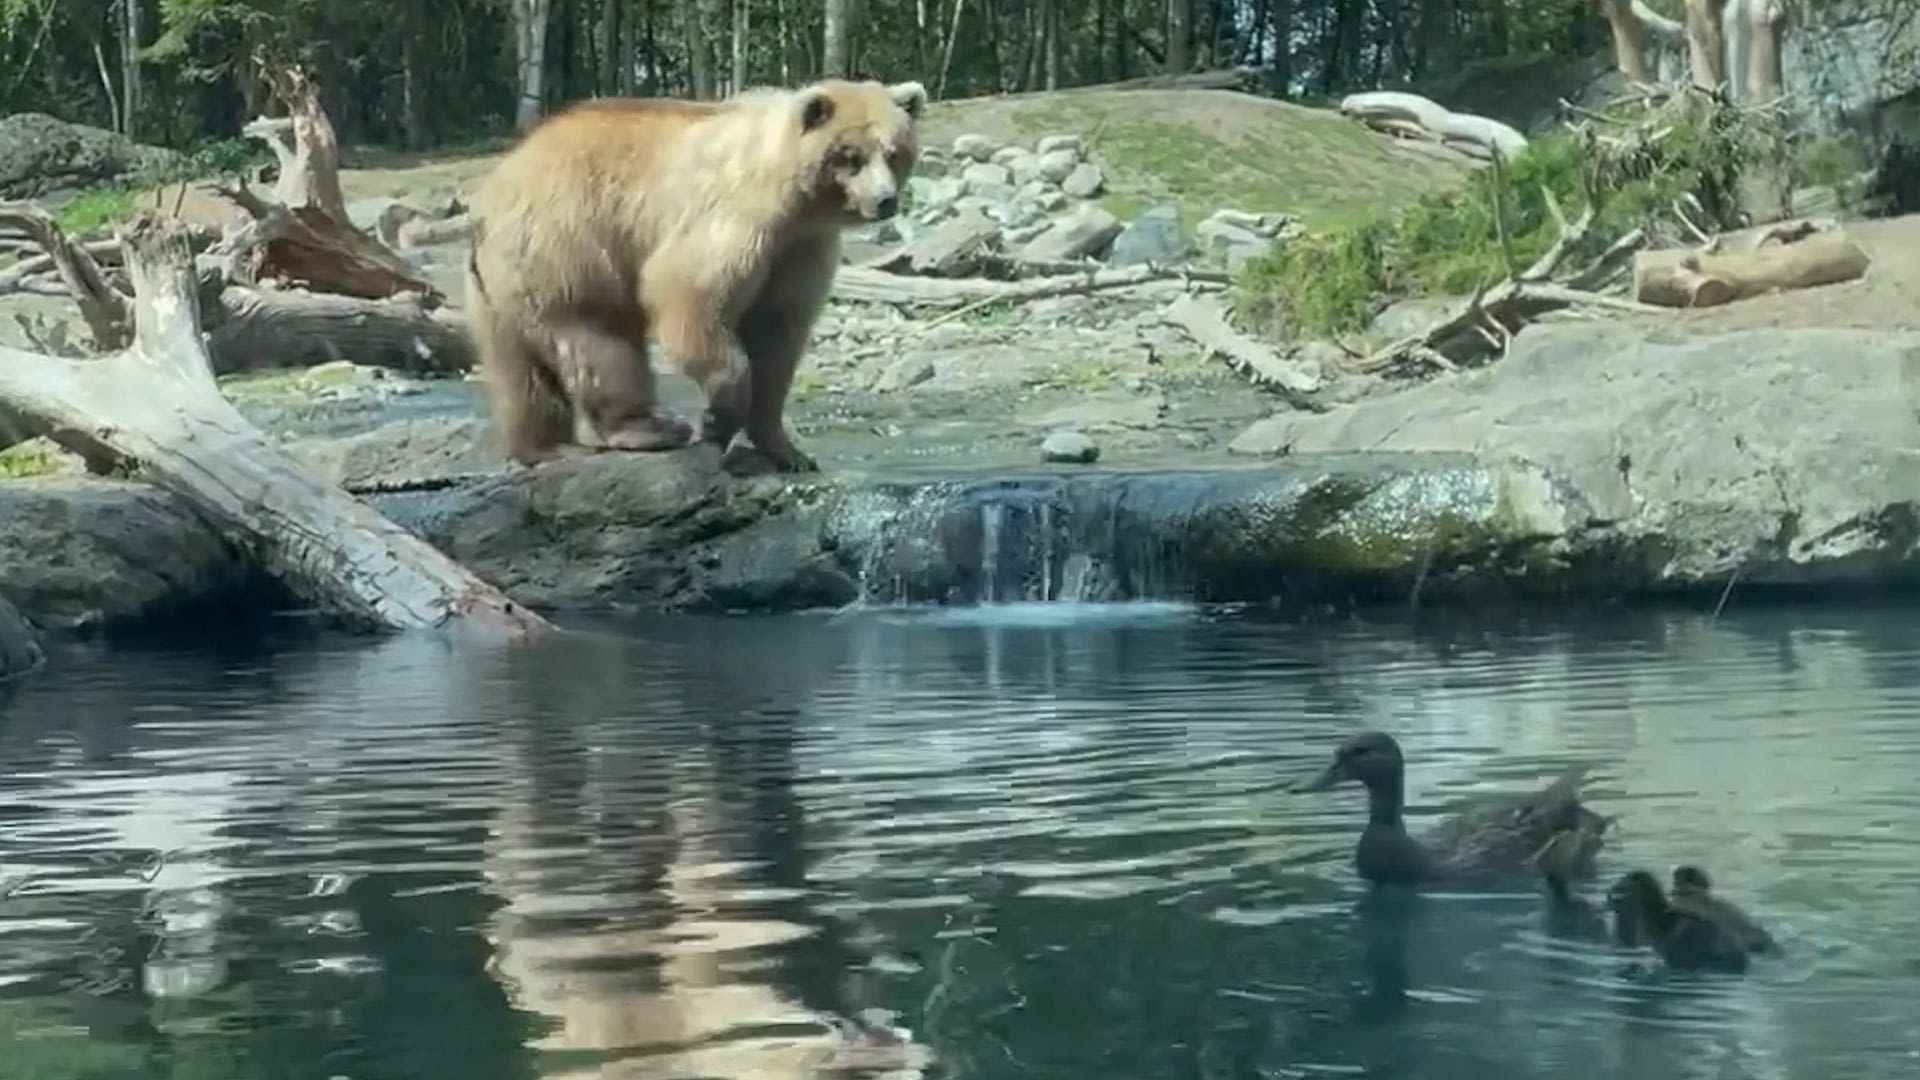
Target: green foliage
(1449, 243)
(35, 457)
(95, 209)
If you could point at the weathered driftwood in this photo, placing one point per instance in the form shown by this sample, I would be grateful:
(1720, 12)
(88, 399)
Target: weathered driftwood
(306, 247)
(862, 284)
(262, 329)
(303, 235)
(257, 329)
(1400, 112)
(107, 314)
(303, 142)
(1484, 325)
(154, 408)
(1690, 278)
(1204, 320)
(427, 232)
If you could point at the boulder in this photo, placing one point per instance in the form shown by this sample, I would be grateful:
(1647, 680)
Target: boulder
(40, 154)
(81, 553)
(19, 645)
(1785, 456)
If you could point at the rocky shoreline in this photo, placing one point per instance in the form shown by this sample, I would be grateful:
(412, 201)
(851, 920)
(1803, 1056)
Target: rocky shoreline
(1595, 462)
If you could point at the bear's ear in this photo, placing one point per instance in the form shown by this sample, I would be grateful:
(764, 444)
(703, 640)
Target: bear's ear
(816, 108)
(910, 96)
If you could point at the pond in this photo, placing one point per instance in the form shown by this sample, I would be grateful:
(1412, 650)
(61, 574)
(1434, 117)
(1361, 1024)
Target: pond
(1046, 840)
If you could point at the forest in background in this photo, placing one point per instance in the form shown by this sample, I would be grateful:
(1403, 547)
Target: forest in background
(424, 73)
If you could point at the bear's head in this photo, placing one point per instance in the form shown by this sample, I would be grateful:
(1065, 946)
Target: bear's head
(860, 140)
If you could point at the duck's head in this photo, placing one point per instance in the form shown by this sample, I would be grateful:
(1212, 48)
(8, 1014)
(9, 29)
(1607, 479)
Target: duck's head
(1688, 878)
(1636, 892)
(1369, 758)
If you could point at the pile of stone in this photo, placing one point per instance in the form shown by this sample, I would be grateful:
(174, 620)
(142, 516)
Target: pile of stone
(978, 199)
(1036, 202)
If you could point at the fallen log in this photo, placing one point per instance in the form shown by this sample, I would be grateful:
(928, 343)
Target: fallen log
(1205, 322)
(862, 284)
(153, 408)
(1691, 278)
(259, 329)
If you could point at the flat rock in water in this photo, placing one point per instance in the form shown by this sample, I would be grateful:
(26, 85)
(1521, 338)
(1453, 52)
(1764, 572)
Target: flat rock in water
(81, 553)
(1788, 455)
(19, 645)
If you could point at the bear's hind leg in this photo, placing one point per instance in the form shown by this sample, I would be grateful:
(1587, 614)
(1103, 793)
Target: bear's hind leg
(612, 381)
(529, 407)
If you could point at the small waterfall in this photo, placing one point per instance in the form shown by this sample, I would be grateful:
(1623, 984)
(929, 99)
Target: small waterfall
(1043, 540)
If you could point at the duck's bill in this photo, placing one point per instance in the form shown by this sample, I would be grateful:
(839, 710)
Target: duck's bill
(1331, 777)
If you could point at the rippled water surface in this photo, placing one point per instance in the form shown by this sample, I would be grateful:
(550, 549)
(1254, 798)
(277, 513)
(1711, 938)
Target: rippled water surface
(1043, 841)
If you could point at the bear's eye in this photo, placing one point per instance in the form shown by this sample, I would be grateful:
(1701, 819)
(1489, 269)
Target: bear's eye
(850, 157)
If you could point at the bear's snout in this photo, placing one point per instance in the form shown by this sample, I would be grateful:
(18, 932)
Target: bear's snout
(888, 207)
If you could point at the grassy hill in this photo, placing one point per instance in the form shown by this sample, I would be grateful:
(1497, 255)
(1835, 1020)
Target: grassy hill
(1208, 149)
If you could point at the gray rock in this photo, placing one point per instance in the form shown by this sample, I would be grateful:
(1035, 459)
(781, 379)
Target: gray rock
(1015, 213)
(984, 175)
(974, 147)
(19, 646)
(1051, 202)
(40, 154)
(1019, 235)
(904, 373)
(1085, 231)
(1153, 237)
(926, 195)
(1660, 470)
(1024, 165)
(1070, 144)
(1084, 182)
(1069, 447)
(85, 553)
(1057, 165)
(932, 163)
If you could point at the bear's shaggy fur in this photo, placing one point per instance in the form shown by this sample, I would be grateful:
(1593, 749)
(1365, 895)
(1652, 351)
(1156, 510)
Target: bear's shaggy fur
(711, 227)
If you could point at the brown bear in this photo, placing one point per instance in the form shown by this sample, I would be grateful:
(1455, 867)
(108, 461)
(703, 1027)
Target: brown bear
(712, 228)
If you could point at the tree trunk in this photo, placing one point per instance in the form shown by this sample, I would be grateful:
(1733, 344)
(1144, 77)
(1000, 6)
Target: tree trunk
(835, 37)
(1629, 40)
(742, 39)
(131, 95)
(1768, 19)
(699, 49)
(530, 40)
(1179, 36)
(155, 407)
(1706, 44)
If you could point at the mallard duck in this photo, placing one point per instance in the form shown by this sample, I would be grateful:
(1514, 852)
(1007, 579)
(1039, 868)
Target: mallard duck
(1688, 936)
(1567, 915)
(1499, 837)
(1692, 883)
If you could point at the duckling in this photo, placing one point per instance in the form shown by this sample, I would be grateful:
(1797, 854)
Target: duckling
(1692, 883)
(1567, 915)
(1499, 837)
(1687, 937)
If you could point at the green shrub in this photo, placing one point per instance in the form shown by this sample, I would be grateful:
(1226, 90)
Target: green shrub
(1449, 243)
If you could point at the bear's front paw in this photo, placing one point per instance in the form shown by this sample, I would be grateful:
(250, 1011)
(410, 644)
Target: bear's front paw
(658, 431)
